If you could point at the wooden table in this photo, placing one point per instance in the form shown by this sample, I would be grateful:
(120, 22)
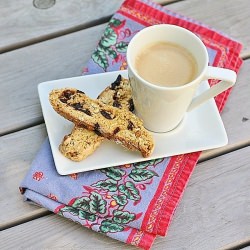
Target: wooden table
(55, 40)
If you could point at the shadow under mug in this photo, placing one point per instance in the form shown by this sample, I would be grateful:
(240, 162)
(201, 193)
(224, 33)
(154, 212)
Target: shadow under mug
(163, 108)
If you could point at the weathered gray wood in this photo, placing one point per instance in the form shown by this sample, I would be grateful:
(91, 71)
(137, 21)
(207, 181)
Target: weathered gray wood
(230, 17)
(56, 233)
(21, 23)
(215, 209)
(22, 70)
(236, 115)
(17, 151)
(214, 212)
(241, 244)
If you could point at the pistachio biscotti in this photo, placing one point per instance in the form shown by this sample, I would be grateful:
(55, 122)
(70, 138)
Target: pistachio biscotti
(105, 120)
(81, 143)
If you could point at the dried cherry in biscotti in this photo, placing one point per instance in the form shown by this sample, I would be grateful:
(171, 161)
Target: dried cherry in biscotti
(77, 106)
(116, 130)
(67, 93)
(79, 91)
(116, 104)
(117, 82)
(97, 129)
(106, 114)
(63, 99)
(65, 96)
(131, 105)
(115, 97)
(86, 111)
(130, 125)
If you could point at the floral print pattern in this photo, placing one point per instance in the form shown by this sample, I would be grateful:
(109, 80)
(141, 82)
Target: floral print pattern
(104, 202)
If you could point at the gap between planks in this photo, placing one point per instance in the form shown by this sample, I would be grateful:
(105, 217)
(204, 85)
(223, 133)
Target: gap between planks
(53, 35)
(27, 126)
(210, 154)
(41, 212)
(242, 244)
(67, 31)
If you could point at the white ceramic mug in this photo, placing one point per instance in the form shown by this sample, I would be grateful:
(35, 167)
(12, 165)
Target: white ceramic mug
(163, 108)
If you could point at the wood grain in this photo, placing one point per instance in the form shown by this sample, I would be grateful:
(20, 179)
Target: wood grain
(17, 151)
(214, 212)
(236, 115)
(22, 70)
(230, 17)
(215, 208)
(55, 232)
(240, 244)
(21, 21)
(22, 24)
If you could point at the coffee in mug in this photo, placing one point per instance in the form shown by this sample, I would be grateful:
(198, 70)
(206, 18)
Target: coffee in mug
(160, 104)
(166, 64)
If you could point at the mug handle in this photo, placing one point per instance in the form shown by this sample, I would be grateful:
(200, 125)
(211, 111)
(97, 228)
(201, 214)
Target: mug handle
(228, 79)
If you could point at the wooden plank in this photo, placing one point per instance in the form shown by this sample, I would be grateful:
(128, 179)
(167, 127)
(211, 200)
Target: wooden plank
(67, 16)
(21, 23)
(56, 233)
(214, 212)
(17, 151)
(37, 63)
(242, 244)
(54, 59)
(236, 115)
(22, 70)
(230, 17)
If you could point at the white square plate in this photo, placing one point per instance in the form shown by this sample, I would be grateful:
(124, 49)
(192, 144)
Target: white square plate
(201, 129)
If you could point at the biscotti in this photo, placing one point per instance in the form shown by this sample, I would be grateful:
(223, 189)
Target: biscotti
(81, 143)
(105, 120)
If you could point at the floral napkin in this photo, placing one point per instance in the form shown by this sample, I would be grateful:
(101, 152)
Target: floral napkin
(132, 203)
